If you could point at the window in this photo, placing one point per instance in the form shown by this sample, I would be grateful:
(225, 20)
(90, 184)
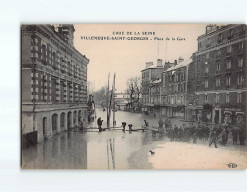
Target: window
(229, 49)
(200, 44)
(182, 76)
(206, 83)
(240, 79)
(241, 46)
(207, 55)
(240, 62)
(217, 99)
(54, 59)
(43, 51)
(228, 64)
(220, 37)
(228, 81)
(227, 98)
(206, 69)
(218, 52)
(209, 41)
(239, 98)
(231, 32)
(218, 67)
(206, 98)
(217, 81)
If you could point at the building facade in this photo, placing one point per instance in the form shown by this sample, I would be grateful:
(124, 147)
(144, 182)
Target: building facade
(220, 74)
(121, 100)
(174, 96)
(54, 81)
(150, 74)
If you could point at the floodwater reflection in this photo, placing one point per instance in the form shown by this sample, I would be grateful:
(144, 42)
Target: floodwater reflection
(111, 149)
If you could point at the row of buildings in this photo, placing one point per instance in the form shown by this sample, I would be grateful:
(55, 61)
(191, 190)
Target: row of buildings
(210, 86)
(54, 81)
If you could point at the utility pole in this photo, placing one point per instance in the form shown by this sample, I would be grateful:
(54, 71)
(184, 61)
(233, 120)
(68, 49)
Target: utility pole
(107, 102)
(113, 92)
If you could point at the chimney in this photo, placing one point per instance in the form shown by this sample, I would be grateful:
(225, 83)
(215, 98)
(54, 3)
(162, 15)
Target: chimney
(175, 62)
(159, 63)
(210, 28)
(180, 59)
(148, 64)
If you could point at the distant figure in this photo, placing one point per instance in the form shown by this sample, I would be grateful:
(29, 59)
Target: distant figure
(123, 125)
(180, 133)
(161, 125)
(171, 133)
(130, 127)
(152, 152)
(186, 133)
(99, 122)
(223, 137)
(81, 123)
(213, 138)
(145, 124)
(175, 132)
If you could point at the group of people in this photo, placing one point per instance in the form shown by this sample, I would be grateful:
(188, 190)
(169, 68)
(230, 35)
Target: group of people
(194, 131)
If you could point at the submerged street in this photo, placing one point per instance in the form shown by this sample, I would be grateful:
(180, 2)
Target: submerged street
(114, 149)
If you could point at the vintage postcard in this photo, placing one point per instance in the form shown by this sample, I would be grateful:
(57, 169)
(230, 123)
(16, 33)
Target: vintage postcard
(133, 96)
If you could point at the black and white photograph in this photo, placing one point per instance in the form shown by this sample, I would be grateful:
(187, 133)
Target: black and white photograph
(133, 96)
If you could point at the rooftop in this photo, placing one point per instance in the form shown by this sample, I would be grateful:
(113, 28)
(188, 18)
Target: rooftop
(180, 65)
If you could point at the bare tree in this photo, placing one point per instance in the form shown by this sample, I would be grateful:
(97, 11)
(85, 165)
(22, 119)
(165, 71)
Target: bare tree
(100, 96)
(134, 90)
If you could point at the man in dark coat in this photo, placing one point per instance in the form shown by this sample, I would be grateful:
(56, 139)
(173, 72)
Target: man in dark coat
(99, 123)
(123, 125)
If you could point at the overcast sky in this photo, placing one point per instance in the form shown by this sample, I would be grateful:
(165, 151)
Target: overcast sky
(128, 58)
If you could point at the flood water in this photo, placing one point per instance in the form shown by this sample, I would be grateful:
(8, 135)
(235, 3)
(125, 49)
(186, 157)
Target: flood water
(110, 149)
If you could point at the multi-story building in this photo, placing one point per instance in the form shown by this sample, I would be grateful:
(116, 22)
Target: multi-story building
(174, 93)
(121, 100)
(54, 81)
(220, 74)
(149, 74)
